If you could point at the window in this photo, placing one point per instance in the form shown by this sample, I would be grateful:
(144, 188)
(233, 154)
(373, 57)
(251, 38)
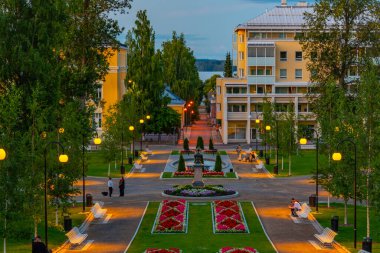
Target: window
(281, 90)
(241, 38)
(261, 52)
(283, 73)
(260, 72)
(98, 120)
(260, 89)
(99, 93)
(269, 51)
(251, 52)
(298, 55)
(237, 108)
(241, 72)
(281, 35)
(299, 35)
(283, 56)
(218, 90)
(218, 107)
(268, 72)
(236, 130)
(241, 55)
(298, 73)
(253, 72)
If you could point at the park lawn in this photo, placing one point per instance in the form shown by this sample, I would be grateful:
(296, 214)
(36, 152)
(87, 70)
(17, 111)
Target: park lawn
(227, 175)
(98, 167)
(302, 164)
(346, 233)
(200, 237)
(222, 152)
(56, 235)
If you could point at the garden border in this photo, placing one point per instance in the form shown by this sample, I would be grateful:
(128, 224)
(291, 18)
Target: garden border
(186, 221)
(222, 233)
(236, 194)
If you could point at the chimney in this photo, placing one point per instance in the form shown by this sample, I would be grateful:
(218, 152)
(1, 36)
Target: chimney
(283, 3)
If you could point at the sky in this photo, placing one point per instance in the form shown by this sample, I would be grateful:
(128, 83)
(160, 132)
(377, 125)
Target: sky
(208, 25)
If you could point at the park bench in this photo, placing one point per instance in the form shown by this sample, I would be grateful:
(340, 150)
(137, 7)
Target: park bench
(363, 251)
(148, 151)
(326, 237)
(259, 165)
(143, 157)
(75, 236)
(305, 210)
(137, 166)
(97, 211)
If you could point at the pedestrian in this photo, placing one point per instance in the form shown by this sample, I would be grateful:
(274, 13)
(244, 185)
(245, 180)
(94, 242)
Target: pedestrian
(238, 149)
(110, 186)
(122, 186)
(38, 246)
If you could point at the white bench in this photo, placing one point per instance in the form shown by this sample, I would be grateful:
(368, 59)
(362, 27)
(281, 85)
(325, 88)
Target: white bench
(363, 251)
(143, 157)
(148, 151)
(305, 210)
(326, 237)
(97, 211)
(138, 166)
(259, 165)
(75, 236)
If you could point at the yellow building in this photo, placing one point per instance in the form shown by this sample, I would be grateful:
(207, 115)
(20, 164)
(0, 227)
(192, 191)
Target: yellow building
(270, 66)
(113, 87)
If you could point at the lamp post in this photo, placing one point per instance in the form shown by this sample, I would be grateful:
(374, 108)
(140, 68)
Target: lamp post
(3, 155)
(337, 157)
(257, 131)
(303, 141)
(63, 159)
(277, 147)
(97, 141)
(132, 129)
(267, 129)
(142, 128)
(122, 169)
(185, 120)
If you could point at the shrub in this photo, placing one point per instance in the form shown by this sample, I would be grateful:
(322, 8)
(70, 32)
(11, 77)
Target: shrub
(181, 163)
(200, 143)
(186, 144)
(210, 144)
(218, 163)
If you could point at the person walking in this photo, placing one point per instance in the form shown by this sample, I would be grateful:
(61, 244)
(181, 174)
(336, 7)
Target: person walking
(110, 186)
(122, 186)
(39, 246)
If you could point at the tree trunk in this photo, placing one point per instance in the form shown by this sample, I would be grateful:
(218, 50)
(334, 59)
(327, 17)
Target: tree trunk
(345, 212)
(56, 216)
(35, 227)
(290, 165)
(109, 168)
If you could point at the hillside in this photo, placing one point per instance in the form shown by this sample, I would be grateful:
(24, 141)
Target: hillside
(209, 65)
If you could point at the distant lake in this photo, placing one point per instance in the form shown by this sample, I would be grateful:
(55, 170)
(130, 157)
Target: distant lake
(204, 75)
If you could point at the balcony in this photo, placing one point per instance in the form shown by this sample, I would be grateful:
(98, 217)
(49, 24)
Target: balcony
(261, 61)
(237, 115)
(261, 79)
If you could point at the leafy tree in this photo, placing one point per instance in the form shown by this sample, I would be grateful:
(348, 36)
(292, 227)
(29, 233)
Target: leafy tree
(186, 144)
(210, 144)
(228, 66)
(218, 163)
(181, 163)
(200, 143)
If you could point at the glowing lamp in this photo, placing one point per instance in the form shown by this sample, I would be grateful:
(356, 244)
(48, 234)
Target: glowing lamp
(257, 121)
(268, 128)
(336, 129)
(61, 130)
(131, 128)
(337, 156)
(97, 141)
(3, 154)
(63, 158)
(141, 121)
(147, 116)
(303, 141)
(185, 109)
(43, 135)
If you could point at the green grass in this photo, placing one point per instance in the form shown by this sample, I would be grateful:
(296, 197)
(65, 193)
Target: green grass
(200, 237)
(222, 152)
(167, 175)
(98, 167)
(230, 175)
(56, 236)
(170, 175)
(346, 233)
(175, 152)
(302, 164)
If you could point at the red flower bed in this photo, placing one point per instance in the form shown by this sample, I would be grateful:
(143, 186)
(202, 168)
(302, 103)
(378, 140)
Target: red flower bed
(171, 250)
(237, 250)
(205, 173)
(171, 217)
(228, 217)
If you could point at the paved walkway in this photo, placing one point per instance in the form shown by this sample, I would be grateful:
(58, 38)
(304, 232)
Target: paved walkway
(270, 196)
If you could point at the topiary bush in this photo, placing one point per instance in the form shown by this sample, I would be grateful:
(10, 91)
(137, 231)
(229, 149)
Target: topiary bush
(218, 163)
(181, 164)
(186, 144)
(200, 143)
(210, 144)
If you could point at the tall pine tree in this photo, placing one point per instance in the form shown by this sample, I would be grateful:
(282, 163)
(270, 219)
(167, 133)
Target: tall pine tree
(228, 66)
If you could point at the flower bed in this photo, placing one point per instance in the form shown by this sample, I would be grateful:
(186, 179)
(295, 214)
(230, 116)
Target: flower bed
(171, 250)
(237, 250)
(206, 173)
(206, 191)
(187, 152)
(171, 217)
(229, 217)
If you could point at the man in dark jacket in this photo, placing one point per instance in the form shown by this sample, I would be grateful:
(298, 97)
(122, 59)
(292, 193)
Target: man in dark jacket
(39, 246)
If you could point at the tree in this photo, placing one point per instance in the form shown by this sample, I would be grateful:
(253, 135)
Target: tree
(186, 144)
(228, 66)
(200, 144)
(210, 144)
(218, 163)
(181, 163)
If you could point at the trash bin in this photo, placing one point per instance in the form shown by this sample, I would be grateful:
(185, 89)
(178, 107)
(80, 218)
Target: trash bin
(68, 223)
(136, 153)
(312, 200)
(261, 153)
(335, 223)
(367, 244)
(275, 170)
(267, 161)
(130, 160)
(88, 200)
(122, 168)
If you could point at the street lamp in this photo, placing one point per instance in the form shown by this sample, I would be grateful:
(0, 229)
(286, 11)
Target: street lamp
(142, 126)
(63, 159)
(337, 157)
(3, 155)
(267, 129)
(132, 128)
(185, 110)
(303, 141)
(97, 141)
(278, 146)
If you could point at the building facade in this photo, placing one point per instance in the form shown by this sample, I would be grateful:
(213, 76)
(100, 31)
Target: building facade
(270, 67)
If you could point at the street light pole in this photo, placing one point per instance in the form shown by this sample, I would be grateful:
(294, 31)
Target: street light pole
(63, 159)
(122, 169)
(142, 131)
(337, 157)
(277, 146)
(132, 128)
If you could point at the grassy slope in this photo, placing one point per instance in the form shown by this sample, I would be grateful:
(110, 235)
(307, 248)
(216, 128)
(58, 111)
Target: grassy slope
(97, 166)
(200, 237)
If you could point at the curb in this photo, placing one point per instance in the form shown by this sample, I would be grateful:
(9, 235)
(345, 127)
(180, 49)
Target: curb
(137, 229)
(236, 194)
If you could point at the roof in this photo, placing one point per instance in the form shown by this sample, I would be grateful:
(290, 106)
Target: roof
(174, 99)
(280, 17)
